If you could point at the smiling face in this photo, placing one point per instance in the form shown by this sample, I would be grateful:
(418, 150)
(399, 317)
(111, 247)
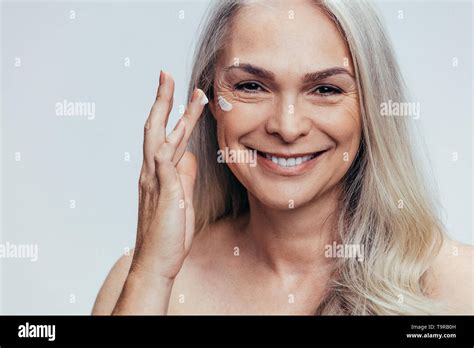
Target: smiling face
(284, 87)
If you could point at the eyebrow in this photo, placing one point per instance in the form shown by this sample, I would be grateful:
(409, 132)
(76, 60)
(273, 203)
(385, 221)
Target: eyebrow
(309, 77)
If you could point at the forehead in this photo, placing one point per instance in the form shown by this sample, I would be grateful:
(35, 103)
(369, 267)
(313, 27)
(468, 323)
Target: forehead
(285, 35)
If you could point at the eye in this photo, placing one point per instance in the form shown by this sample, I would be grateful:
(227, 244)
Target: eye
(327, 90)
(249, 87)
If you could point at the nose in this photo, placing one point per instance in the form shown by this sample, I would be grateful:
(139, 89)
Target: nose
(287, 123)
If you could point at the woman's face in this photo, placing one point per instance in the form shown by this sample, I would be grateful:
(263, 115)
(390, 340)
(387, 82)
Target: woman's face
(286, 89)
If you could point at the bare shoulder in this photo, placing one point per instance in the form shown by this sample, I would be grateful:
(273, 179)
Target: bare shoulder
(112, 287)
(206, 270)
(453, 277)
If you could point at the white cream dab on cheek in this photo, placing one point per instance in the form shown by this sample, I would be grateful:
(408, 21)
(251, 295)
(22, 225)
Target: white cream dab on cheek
(224, 104)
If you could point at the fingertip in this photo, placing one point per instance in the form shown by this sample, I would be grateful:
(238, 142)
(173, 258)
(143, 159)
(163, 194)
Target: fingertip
(169, 78)
(161, 77)
(204, 99)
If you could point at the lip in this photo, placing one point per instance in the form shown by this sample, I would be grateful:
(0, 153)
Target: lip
(289, 171)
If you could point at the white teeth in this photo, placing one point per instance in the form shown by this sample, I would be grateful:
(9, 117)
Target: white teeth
(289, 162)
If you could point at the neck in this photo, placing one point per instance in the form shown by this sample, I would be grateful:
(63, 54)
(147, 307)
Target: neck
(292, 242)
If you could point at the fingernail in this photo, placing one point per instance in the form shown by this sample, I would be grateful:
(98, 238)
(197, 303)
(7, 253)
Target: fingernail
(204, 100)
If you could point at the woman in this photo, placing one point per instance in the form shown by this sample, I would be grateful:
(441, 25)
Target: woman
(333, 218)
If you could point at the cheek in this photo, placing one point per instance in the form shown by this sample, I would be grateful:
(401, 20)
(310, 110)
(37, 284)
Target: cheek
(342, 124)
(241, 119)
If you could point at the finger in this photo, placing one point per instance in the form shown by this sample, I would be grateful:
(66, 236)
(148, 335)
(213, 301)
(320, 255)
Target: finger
(187, 170)
(190, 221)
(164, 167)
(190, 117)
(155, 126)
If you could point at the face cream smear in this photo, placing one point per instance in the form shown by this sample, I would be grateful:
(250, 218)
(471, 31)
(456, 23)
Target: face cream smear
(224, 104)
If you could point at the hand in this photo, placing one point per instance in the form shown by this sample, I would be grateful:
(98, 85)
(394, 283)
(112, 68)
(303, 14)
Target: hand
(166, 215)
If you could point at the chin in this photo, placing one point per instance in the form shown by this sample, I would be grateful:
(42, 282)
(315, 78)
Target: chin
(280, 198)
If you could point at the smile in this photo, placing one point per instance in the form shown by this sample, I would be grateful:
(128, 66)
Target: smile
(289, 164)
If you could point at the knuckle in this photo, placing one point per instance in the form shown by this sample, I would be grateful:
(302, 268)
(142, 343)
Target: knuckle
(148, 183)
(142, 180)
(158, 158)
(163, 97)
(147, 126)
(161, 155)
